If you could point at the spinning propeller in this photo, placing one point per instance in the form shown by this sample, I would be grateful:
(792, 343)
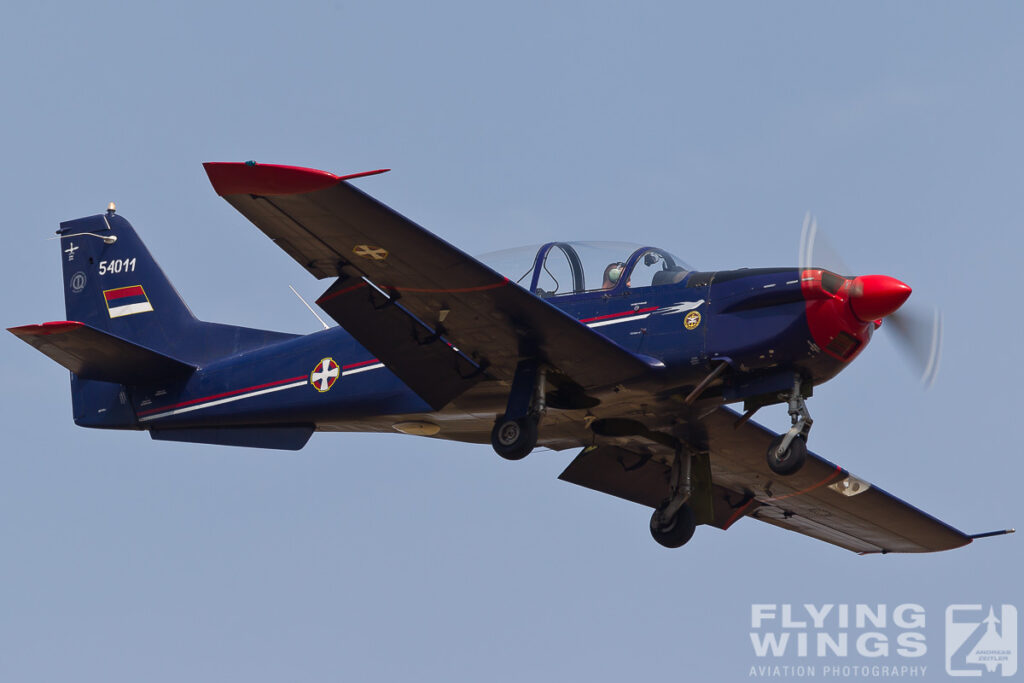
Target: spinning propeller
(917, 331)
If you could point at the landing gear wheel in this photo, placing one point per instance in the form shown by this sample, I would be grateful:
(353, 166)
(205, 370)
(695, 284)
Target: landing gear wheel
(790, 460)
(514, 439)
(676, 531)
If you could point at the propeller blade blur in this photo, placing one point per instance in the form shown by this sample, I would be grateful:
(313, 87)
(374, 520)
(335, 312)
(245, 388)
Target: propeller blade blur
(918, 334)
(816, 251)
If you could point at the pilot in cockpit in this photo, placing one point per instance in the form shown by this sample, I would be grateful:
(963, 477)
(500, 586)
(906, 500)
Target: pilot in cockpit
(612, 274)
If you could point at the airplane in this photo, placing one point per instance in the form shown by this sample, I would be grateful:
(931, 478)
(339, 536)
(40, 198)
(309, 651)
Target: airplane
(621, 351)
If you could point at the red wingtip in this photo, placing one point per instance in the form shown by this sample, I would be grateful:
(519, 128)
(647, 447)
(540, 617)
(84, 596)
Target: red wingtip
(265, 179)
(230, 178)
(45, 329)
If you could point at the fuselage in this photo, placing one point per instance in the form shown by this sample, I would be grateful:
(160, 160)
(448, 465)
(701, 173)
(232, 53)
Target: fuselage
(759, 321)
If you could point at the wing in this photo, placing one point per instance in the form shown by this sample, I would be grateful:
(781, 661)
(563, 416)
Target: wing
(435, 316)
(822, 500)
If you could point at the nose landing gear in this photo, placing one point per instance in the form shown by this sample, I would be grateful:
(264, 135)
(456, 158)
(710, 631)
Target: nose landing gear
(788, 452)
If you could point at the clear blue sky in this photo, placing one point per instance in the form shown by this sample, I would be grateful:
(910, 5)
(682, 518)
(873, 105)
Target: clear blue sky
(706, 129)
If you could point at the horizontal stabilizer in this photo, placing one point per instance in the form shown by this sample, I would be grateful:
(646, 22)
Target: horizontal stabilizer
(285, 438)
(92, 354)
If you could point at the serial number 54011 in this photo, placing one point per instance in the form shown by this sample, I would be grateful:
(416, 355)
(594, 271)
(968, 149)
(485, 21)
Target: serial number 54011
(118, 265)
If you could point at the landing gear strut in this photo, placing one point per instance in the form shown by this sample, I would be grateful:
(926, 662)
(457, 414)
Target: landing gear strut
(673, 523)
(515, 433)
(788, 451)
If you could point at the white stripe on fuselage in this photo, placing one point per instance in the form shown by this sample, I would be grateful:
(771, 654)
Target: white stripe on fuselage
(616, 321)
(251, 394)
(680, 307)
(356, 371)
(221, 401)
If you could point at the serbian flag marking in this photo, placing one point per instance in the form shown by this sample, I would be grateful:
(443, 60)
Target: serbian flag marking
(126, 301)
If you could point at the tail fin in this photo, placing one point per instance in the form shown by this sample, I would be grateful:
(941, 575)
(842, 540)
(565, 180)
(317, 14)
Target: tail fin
(126, 325)
(113, 284)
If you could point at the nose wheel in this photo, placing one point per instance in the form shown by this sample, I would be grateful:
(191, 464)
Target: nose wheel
(786, 461)
(788, 452)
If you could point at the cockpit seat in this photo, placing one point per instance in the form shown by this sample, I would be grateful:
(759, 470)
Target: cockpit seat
(669, 276)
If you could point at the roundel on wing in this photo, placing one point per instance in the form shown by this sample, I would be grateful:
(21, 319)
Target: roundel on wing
(325, 374)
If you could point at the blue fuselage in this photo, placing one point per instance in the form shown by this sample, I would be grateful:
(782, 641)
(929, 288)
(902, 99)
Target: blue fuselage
(756, 320)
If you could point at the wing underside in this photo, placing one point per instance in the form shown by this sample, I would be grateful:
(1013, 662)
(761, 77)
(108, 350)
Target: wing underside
(822, 500)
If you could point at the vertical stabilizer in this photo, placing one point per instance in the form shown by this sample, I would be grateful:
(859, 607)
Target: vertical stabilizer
(112, 283)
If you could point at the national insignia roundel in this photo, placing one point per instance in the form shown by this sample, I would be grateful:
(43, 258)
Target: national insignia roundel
(325, 374)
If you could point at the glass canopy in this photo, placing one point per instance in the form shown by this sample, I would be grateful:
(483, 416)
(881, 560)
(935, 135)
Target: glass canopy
(559, 268)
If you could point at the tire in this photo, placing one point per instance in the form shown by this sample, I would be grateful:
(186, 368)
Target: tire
(514, 439)
(678, 531)
(789, 462)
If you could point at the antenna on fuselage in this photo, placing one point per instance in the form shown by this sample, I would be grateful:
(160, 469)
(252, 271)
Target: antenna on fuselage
(326, 326)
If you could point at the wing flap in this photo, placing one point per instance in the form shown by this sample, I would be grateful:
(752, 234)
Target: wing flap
(416, 353)
(96, 355)
(641, 478)
(619, 472)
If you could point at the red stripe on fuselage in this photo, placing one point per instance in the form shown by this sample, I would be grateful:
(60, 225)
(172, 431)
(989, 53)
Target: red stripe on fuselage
(619, 315)
(359, 365)
(214, 397)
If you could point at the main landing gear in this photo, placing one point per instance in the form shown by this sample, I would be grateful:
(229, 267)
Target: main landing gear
(673, 522)
(514, 438)
(788, 452)
(515, 433)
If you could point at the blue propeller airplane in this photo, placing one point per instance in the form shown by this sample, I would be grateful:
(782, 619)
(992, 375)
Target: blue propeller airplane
(620, 351)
